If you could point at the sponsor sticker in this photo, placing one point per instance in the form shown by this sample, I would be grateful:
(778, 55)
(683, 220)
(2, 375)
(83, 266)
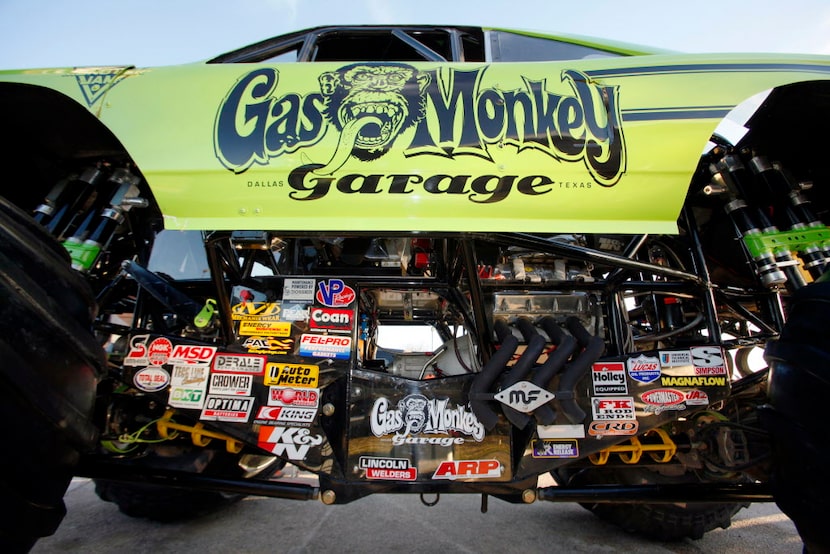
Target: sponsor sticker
(299, 398)
(268, 345)
(555, 449)
(137, 355)
(697, 397)
(334, 293)
(621, 427)
(294, 312)
(708, 360)
(697, 381)
(239, 363)
(468, 469)
(248, 310)
(151, 379)
(560, 431)
(326, 346)
(330, 319)
(290, 442)
(265, 327)
(191, 354)
(292, 375)
(227, 408)
(188, 386)
(644, 369)
(674, 358)
(389, 469)
(613, 408)
(298, 290)
(272, 415)
(660, 400)
(159, 351)
(524, 396)
(231, 384)
(609, 378)
(416, 414)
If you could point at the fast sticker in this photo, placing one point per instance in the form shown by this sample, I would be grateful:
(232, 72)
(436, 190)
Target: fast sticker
(239, 363)
(468, 469)
(326, 346)
(613, 408)
(292, 375)
(644, 369)
(609, 378)
(555, 449)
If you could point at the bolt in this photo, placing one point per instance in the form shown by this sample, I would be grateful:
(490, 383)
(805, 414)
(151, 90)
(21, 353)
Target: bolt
(328, 497)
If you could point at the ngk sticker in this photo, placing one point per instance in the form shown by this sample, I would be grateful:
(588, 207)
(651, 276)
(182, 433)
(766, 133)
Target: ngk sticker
(613, 408)
(697, 398)
(151, 379)
(138, 351)
(627, 427)
(334, 293)
(555, 449)
(389, 469)
(468, 469)
(644, 368)
(330, 319)
(231, 384)
(291, 442)
(524, 396)
(326, 346)
(609, 378)
(708, 360)
(184, 353)
(159, 351)
(299, 398)
(227, 408)
(292, 375)
(272, 415)
(660, 400)
(239, 363)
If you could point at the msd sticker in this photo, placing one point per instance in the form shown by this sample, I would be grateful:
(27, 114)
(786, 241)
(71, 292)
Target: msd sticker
(613, 408)
(468, 469)
(609, 378)
(326, 346)
(644, 369)
(334, 293)
(192, 354)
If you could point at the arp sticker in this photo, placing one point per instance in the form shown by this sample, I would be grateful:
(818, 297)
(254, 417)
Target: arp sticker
(620, 427)
(290, 442)
(644, 369)
(151, 379)
(292, 375)
(613, 408)
(227, 408)
(555, 449)
(239, 363)
(468, 469)
(609, 378)
(326, 346)
(388, 469)
(334, 293)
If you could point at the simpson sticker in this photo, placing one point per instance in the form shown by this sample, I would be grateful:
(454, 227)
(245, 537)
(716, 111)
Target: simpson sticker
(292, 375)
(334, 293)
(188, 386)
(295, 398)
(330, 319)
(697, 398)
(675, 358)
(231, 384)
(468, 469)
(227, 408)
(389, 469)
(644, 369)
(416, 414)
(621, 427)
(564, 431)
(708, 360)
(326, 346)
(699, 381)
(191, 354)
(298, 290)
(609, 378)
(262, 326)
(137, 355)
(239, 363)
(613, 408)
(291, 442)
(268, 345)
(660, 400)
(524, 396)
(555, 449)
(159, 351)
(272, 415)
(151, 379)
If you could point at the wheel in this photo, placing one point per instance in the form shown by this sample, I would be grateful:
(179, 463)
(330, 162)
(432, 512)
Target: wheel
(49, 372)
(168, 504)
(662, 522)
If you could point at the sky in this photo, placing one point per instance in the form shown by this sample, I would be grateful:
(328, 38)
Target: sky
(63, 33)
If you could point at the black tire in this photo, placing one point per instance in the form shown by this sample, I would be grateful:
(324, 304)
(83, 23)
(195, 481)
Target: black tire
(662, 522)
(169, 504)
(50, 367)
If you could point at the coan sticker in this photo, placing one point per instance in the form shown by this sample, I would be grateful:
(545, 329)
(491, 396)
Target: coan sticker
(468, 469)
(151, 379)
(231, 384)
(227, 408)
(334, 293)
(326, 346)
(239, 363)
(273, 415)
(300, 398)
(554, 449)
(290, 442)
(330, 319)
(609, 378)
(613, 408)
(388, 469)
(292, 375)
(644, 369)
(613, 428)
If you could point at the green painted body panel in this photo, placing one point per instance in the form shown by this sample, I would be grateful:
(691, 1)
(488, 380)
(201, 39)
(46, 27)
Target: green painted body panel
(606, 145)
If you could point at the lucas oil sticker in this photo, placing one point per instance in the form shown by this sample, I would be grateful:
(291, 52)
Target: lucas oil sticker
(644, 368)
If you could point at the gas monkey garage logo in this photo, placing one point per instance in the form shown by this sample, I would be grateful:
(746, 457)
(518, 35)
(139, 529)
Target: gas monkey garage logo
(416, 414)
(371, 104)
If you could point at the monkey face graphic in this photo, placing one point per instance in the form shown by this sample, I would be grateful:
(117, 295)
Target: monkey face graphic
(371, 104)
(413, 410)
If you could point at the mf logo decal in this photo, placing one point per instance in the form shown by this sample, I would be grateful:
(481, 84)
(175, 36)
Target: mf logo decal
(449, 112)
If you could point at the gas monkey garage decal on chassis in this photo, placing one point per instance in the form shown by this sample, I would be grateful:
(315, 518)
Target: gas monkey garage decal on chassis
(371, 105)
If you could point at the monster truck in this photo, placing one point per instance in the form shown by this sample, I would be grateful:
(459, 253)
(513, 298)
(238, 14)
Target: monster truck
(436, 260)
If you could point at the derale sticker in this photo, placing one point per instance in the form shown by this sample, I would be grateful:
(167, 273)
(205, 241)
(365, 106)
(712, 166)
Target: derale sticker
(644, 369)
(227, 408)
(334, 293)
(387, 469)
(274, 415)
(555, 449)
(239, 363)
(188, 386)
(231, 384)
(609, 378)
(326, 346)
(292, 375)
(613, 408)
(151, 379)
(468, 469)
(298, 290)
(330, 319)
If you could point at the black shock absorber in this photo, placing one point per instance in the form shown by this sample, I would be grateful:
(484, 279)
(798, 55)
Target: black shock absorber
(67, 198)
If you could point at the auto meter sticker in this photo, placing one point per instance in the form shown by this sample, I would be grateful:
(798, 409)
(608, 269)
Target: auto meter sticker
(159, 351)
(188, 386)
(291, 417)
(231, 384)
(622, 427)
(613, 408)
(292, 375)
(239, 363)
(330, 319)
(660, 400)
(151, 379)
(227, 408)
(708, 360)
(390, 469)
(468, 469)
(555, 449)
(644, 369)
(609, 378)
(334, 293)
(298, 290)
(137, 356)
(326, 346)
(291, 442)
(293, 398)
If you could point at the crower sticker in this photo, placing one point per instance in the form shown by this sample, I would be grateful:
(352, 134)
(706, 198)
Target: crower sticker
(296, 398)
(231, 384)
(330, 319)
(644, 368)
(555, 449)
(388, 469)
(613, 408)
(272, 415)
(239, 363)
(416, 414)
(292, 375)
(290, 442)
(708, 360)
(609, 378)
(443, 113)
(227, 408)
(334, 293)
(326, 346)
(151, 379)
(468, 469)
